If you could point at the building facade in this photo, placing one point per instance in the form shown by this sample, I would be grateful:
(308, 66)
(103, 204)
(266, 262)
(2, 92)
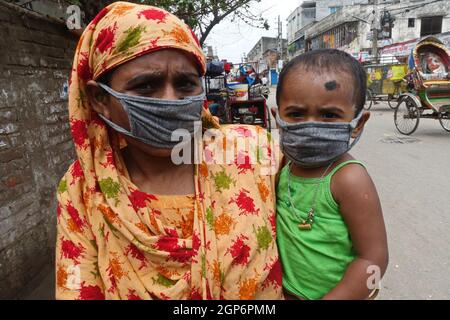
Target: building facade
(350, 28)
(264, 44)
(311, 12)
(266, 53)
(293, 24)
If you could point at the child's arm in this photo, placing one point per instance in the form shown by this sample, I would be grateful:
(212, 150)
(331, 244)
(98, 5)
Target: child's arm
(360, 206)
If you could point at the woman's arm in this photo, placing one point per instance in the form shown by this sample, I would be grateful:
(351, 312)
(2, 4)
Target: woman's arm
(360, 206)
(77, 275)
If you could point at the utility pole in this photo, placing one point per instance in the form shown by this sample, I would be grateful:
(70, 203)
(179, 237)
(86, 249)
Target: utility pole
(375, 31)
(280, 38)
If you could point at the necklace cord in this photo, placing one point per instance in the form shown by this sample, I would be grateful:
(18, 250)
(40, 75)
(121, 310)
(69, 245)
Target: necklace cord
(311, 211)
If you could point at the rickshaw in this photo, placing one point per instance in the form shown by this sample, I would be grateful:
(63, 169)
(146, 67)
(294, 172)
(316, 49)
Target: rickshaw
(217, 93)
(428, 83)
(384, 81)
(235, 105)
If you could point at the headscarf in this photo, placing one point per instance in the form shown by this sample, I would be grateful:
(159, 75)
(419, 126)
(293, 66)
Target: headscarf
(109, 245)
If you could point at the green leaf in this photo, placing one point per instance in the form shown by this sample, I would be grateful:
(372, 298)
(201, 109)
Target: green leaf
(164, 281)
(263, 237)
(223, 181)
(132, 39)
(62, 186)
(110, 188)
(210, 218)
(203, 266)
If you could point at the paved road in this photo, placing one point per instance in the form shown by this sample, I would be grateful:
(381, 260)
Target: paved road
(413, 180)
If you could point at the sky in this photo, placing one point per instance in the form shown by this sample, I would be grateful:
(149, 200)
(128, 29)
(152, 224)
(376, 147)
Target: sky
(231, 39)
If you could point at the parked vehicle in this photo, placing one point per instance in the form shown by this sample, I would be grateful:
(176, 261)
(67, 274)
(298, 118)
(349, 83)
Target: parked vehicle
(428, 86)
(242, 101)
(385, 81)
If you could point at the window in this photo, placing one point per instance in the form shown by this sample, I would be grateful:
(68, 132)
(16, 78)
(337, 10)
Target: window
(411, 23)
(430, 26)
(335, 9)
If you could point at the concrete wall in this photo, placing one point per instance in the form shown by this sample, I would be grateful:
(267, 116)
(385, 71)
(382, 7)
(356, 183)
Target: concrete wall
(35, 143)
(264, 44)
(401, 32)
(271, 59)
(323, 6)
(293, 24)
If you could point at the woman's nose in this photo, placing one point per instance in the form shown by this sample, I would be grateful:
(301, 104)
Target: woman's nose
(169, 93)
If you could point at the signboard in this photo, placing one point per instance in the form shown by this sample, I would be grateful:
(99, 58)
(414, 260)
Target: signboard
(400, 49)
(404, 48)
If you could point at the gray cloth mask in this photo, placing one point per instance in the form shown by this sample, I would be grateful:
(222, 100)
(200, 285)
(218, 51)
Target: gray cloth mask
(316, 144)
(153, 120)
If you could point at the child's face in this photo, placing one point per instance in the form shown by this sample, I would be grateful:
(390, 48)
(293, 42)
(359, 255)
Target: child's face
(308, 96)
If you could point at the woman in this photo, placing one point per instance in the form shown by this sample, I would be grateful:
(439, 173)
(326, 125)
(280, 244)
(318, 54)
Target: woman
(131, 223)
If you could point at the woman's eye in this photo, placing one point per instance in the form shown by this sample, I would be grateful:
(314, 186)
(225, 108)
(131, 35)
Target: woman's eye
(145, 87)
(188, 86)
(295, 115)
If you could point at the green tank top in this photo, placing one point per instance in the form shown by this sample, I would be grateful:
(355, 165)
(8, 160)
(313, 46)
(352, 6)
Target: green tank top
(313, 261)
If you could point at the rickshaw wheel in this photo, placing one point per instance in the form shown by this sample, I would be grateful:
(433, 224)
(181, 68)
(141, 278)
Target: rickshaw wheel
(407, 116)
(444, 119)
(369, 100)
(392, 101)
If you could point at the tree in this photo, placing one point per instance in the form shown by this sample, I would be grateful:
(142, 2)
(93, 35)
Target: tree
(201, 15)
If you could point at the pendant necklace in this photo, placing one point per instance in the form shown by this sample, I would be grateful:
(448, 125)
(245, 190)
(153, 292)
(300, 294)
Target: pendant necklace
(306, 225)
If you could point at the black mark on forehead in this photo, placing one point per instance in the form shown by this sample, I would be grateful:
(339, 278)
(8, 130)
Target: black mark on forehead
(332, 85)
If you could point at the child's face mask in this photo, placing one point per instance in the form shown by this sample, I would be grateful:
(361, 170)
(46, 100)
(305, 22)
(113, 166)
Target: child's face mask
(316, 144)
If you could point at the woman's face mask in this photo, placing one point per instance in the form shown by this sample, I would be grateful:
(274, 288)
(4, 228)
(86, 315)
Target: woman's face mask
(316, 144)
(153, 120)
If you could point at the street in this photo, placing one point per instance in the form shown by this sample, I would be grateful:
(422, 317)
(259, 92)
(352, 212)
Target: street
(412, 175)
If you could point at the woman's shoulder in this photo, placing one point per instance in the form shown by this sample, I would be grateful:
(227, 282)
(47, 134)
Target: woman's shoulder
(242, 145)
(247, 131)
(256, 138)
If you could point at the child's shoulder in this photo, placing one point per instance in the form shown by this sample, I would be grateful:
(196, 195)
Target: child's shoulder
(349, 171)
(349, 175)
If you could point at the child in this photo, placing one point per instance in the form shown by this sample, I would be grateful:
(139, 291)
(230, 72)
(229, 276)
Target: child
(330, 227)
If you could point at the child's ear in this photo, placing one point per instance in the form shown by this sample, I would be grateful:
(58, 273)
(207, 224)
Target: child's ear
(362, 122)
(273, 110)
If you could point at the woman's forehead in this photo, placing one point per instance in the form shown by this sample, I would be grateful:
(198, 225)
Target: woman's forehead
(163, 61)
(170, 57)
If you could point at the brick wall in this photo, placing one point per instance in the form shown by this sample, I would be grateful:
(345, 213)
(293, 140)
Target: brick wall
(35, 143)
